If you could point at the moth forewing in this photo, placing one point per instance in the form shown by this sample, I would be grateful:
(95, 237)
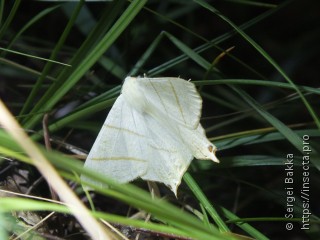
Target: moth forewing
(152, 131)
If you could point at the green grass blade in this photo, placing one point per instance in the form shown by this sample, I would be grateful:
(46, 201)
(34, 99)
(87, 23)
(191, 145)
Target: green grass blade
(30, 23)
(146, 55)
(136, 197)
(79, 114)
(171, 63)
(121, 24)
(189, 52)
(35, 57)
(255, 82)
(128, 194)
(10, 18)
(291, 136)
(48, 66)
(253, 3)
(3, 232)
(251, 161)
(19, 204)
(205, 202)
(238, 139)
(245, 226)
(23, 68)
(114, 69)
(266, 56)
(1, 11)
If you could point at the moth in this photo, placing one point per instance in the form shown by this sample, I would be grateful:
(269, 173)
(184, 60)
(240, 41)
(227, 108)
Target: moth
(153, 131)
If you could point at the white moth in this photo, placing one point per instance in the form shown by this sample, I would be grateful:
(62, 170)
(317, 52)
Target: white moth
(152, 132)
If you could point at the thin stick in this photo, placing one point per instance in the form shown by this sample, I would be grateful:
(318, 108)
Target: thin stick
(47, 142)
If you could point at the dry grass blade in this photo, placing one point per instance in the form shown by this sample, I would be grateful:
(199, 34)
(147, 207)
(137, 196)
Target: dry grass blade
(90, 224)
